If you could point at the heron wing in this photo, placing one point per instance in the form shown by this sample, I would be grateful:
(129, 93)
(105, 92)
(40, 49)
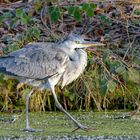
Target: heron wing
(35, 61)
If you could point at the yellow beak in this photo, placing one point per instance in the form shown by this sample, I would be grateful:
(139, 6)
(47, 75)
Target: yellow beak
(92, 44)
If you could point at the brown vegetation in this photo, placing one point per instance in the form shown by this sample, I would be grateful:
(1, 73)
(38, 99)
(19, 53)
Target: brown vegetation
(112, 79)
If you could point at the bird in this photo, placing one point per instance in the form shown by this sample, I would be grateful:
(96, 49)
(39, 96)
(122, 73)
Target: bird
(45, 65)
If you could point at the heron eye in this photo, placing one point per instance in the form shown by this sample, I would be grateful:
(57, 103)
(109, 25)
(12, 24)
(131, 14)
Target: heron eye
(77, 42)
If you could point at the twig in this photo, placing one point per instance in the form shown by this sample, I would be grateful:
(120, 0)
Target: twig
(131, 43)
(45, 25)
(123, 23)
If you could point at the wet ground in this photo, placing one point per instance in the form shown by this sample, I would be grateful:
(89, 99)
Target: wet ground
(55, 125)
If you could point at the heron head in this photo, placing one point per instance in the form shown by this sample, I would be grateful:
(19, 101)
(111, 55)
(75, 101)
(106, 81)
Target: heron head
(77, 42)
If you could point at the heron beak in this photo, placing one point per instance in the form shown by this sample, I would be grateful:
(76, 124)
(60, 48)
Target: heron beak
(91, 44)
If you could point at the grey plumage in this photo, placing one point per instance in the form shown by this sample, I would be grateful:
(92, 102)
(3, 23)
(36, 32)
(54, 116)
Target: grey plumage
(45, 64)
(34, 61)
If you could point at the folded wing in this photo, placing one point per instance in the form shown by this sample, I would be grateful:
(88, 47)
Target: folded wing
(35, 61)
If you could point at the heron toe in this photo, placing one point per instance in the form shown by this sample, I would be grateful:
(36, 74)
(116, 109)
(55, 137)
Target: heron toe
(82, 127)
(32, 130)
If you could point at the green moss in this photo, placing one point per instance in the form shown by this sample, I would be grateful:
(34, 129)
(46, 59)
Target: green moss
(57, 124)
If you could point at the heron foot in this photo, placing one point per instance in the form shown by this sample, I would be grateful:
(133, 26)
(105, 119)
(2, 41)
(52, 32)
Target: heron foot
(32, 130)
(82, 127)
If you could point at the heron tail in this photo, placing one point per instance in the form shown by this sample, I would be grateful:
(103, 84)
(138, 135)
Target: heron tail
(5, 63)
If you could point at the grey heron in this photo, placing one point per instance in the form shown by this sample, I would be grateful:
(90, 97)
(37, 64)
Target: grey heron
(44, 65)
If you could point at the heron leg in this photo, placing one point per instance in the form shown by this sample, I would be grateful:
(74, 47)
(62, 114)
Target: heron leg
(59, 106)
(27, 128)
(27, 108)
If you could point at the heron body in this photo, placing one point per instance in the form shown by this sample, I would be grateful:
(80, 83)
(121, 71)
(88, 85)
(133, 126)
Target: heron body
(44, 65)
(37, 63)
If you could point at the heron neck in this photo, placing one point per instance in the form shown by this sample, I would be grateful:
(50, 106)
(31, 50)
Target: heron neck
(76, 65)
(81, 56)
